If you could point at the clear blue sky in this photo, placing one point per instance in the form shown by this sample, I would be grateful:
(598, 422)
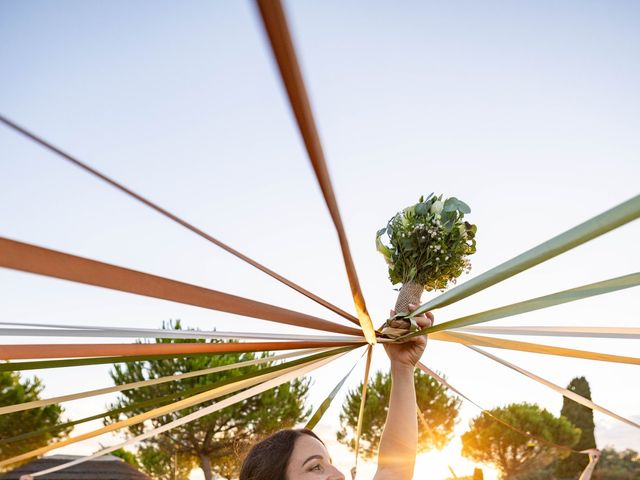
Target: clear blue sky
(528, 111)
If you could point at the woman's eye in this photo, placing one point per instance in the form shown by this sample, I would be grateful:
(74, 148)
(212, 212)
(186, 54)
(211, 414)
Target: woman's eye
(316, 468)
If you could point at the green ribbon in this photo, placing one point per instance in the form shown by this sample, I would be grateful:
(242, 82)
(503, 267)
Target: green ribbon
(565, 296)
(599, 225)
(186, 393)
(78, 362)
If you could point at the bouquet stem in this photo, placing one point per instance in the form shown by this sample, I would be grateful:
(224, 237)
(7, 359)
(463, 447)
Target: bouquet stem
(410, 293)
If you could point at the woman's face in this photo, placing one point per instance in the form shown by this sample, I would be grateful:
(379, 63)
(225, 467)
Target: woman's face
(310, 461)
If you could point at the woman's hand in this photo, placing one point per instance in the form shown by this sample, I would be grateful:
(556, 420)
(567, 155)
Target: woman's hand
(408, 353)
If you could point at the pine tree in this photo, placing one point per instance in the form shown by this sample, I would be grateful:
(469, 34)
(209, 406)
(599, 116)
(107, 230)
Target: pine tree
(581, 417)
(33, 424)
(513, 453)
(215, 440)
(439, 409)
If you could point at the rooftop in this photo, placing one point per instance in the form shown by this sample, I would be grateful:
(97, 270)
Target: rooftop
(107, 467)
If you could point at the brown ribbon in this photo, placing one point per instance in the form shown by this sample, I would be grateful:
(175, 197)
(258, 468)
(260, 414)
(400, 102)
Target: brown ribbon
(74, 350)
(275, 23)
(177, 219)
(33, 259)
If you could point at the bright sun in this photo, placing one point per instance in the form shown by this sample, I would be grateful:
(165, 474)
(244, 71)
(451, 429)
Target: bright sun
(435, 465)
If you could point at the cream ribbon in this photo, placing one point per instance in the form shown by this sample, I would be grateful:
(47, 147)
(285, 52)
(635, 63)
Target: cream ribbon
(589, 332)
(116, 332)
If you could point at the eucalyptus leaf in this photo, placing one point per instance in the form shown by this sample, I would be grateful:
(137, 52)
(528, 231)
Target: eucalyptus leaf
(463, 207)
(448, 219)
(452, 204)
(422, 209)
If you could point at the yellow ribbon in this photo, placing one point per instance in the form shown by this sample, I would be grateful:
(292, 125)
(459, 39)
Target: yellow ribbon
(156, 412)
(485, 341)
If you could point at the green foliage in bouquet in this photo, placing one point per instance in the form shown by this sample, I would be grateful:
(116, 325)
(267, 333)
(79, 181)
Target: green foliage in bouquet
(428, 243)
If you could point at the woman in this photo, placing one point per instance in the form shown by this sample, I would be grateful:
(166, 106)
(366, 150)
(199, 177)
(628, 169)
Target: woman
(301, 455)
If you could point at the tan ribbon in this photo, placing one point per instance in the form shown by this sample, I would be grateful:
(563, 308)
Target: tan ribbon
(563, 391)
(42, 261)
(275, 24)
(156, 412)
(283, 378)
(176, 219)
(485, 341)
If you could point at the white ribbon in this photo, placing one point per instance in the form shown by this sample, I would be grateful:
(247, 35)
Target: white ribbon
(563, 391)
(117, 332)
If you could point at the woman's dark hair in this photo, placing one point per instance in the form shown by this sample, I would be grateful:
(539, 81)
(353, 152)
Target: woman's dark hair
(268, 459)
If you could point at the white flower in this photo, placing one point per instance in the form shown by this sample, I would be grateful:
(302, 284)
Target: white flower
(409, 210)
(437, 206)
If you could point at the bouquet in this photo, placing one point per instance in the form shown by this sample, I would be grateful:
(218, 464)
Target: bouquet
(426, 247)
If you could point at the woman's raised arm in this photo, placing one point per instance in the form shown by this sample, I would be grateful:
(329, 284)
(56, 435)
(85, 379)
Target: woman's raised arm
(399, 442)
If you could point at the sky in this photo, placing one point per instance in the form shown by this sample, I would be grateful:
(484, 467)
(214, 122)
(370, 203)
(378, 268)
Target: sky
(527, 111)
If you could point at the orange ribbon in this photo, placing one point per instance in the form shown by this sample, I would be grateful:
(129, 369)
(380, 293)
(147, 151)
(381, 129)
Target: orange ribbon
(33, 259)
(74, 350)
(275, 23)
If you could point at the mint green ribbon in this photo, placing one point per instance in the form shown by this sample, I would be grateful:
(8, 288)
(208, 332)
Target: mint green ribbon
(565, 296)
(324, 406)
(599, 225)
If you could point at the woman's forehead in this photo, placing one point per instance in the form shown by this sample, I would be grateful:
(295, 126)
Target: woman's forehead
(308, 445)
